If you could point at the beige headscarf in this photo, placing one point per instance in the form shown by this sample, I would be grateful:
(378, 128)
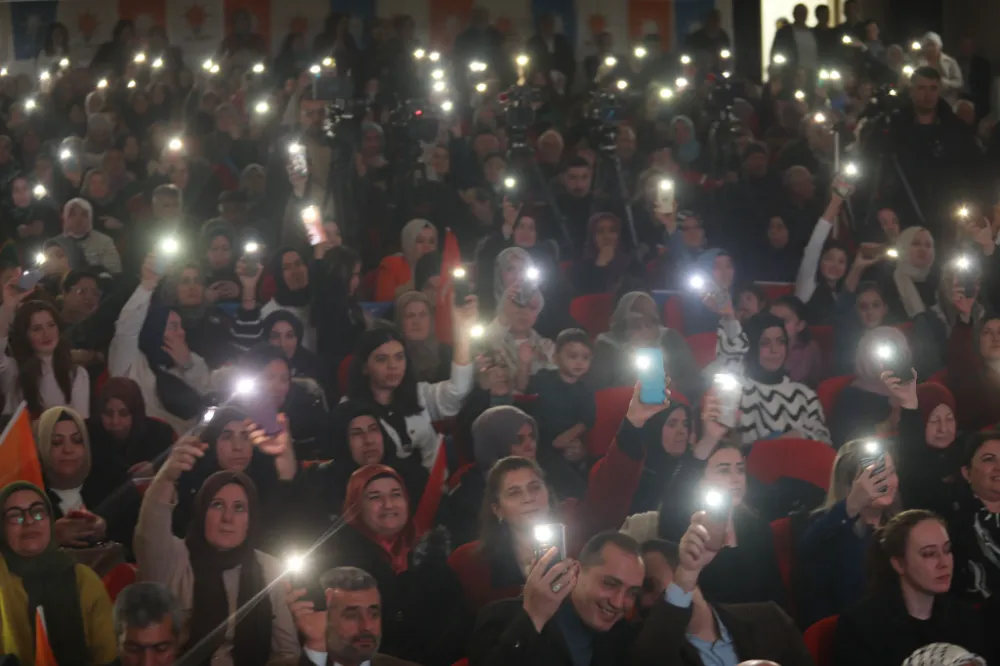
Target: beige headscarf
(44, 433)
(424, 354)
(906, 273)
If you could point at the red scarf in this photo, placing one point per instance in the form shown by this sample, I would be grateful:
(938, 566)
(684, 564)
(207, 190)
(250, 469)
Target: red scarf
(395, 548)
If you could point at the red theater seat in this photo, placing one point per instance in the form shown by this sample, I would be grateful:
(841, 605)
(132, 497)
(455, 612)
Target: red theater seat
(673, 315)
(703, 347)
(803, 459)
(819, 640)
(829, 389)
(119, 578)
(593, 312)
(775, 290)
(612, 405)
(343, 374)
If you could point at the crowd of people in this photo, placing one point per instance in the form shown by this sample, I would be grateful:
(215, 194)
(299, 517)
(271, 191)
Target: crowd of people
(320, 350)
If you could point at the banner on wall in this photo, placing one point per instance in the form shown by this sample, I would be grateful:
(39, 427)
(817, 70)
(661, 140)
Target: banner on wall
(89, 24)
(195, 26)
(651, 17)
(29, 23)
(259, 13)
(448, 18)
(144, 14)
(597, 16)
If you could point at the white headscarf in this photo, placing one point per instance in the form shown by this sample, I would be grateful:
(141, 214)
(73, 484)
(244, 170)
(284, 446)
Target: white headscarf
(943, 654)
(907, 274)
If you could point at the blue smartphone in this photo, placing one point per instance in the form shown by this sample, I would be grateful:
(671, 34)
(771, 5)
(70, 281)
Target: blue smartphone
(653, 388)
(29, 279)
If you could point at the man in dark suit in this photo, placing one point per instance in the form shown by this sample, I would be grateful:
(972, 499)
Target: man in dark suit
(350, 630)
(681, 627)
(550, 50)
(572, 612)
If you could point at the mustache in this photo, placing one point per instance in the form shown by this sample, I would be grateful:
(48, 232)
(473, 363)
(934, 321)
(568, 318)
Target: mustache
(365, 635)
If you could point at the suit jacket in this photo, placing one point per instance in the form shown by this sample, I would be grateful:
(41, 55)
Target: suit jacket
(560, 58)
(506, 636)
(377, 660)
(759, 631)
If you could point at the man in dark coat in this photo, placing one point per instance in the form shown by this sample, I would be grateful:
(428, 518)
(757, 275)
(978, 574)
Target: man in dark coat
(571, 613)
(349, 631)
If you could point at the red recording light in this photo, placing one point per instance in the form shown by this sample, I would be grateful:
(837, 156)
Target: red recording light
(418, 112)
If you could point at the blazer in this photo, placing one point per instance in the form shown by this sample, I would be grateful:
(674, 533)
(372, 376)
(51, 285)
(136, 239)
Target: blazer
(377, 660)
(759, 631)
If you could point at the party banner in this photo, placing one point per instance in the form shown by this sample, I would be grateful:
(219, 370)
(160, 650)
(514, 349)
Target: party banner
(564, 12)
(29, 23)
(259, 12)
(651, 17)
(448, 18)
(196, 27)
(18, 454)
(144, 14)
(90, 23)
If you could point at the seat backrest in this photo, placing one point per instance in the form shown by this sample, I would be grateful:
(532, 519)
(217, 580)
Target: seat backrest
(803, 459)
(673, 314)
(703, 347)
(819, 640)
(343, 374)
(593, 312)
(784, 551)
(823, 335)
(612, 405)
(775, 290)
(829, 389)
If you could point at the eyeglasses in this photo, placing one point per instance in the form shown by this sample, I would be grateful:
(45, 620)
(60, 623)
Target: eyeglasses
(16, 516)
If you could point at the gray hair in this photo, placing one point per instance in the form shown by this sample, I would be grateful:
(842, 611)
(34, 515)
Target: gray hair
(350, 579)
(143, 604)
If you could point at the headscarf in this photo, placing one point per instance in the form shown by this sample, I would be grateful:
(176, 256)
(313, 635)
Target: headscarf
(397, 549)
(191, 315)
(930, 396)
(657, 459)
(176, 395)
(211, 230)
(500, 265)
(85, 205)
(494, 432)
(408, 239)
(49, 581)
(283, 295)
(245, 177)
(74, 255)
(252, 641)
(425, 355)
(690, 151)
(134, 448)
(590, 250)
(943, 654)
(907, 274)
(754, 329)
(46, 428)
(617, 335)
(867, 368)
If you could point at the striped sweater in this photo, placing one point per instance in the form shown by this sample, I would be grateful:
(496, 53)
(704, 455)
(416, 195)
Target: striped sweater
(766, 409)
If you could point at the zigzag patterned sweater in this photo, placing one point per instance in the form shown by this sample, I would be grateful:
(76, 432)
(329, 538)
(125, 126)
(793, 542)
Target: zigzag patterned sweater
(766, 409)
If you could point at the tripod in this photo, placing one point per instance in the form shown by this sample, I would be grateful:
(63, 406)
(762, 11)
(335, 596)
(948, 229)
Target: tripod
(523, 158)
(609, 169)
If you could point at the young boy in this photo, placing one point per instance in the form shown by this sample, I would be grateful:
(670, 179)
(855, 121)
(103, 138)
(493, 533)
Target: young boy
(565, 409)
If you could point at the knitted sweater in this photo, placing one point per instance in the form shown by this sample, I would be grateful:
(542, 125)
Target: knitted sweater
(766, 409)
(99, 251)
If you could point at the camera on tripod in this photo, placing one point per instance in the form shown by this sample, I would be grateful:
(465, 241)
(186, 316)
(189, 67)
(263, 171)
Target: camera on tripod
(605, 114)
(520, 113)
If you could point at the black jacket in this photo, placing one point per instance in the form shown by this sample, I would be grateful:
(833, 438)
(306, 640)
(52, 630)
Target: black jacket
(880, 632)
(560, 58)
(505, 636)
(758, 631)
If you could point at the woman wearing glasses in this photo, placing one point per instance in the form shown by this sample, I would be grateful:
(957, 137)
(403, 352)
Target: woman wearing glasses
(36, 576)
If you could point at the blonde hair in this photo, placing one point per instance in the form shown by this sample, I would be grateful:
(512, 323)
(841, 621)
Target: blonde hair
(845, 470)
(45, 430)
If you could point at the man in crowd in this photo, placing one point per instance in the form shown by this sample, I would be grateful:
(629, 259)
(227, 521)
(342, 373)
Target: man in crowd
(148, 625)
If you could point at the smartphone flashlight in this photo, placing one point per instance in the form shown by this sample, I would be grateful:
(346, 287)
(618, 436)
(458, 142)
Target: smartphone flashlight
(962, 212)
(315, 70)
(621, 84)
(908, 70)
(477, 331)
(209, 415)
(819, 118)
(207, 65)
(258, 68)
(532, 274)
(824, 75)
(640, 52)
(963, 263)
(310, 214)
(158, 63)
(872, 448)
(295, 563)
(714, 499)
(328, 62)
(892, 253)
(543, 533)
(30, 104)
(726, 382)
(3, 71)
(419, 54)
(725, 54)
(447, 106)
(521, 60)
(39, 258)
(40, 191)
(65, 154)
(169, 245)
(294, 148)
(102, 84)
(481, 87)
(697, 282)
(681, 83)
(846, 39)
(666, 185)
(439, 86)
(437, 74)
(666, 93)
(433, 56)
(262, 107)
(610, 61)
(251, 248)
(685, 59)
(245, 386)
(64, 63)
(643, 362)
(130, 84)
(779, 59)
(851, 170)
(510, 183)
(44, 76)
(459, 273)
(884, 352)
(915, 45)
(175, 145)
(834, 74)
(477, 66)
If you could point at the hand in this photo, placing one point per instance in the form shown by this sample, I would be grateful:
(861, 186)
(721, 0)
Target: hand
(638, 413)
(572, 450)
(248, 281)
(862, 260)
(223, 290)
(465, 316)
(865, 490)
(720, 306)
(82, 356)
(150, 276)
(546, 589)
(183, 456)
(111, 222)
(694, 553)
(525, 353)
(905, 394)
(310, 623)
(12, 295)
(75, 532)
(712, 429)
(179, 351)
(962, 302)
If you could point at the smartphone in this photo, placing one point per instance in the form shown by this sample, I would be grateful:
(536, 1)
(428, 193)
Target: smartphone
(29, 279)
(461, 286)
(967, 281)
(313, 222)
(263, 413)
(716, 504)
(162, 263)
(875, 458)
(251, 257)
(665, 197)
(314, 590)
(298, 161)
(871, 250)
(729, 390)
(525, 292)
(649, 362)
(896, 361)
(552, 535)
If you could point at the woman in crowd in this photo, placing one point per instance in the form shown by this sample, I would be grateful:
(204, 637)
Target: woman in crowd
(635, 323)
(859, 308)
(687, 148)
(217, 567)
(207, 327)
(805, 362)
(509, 269)
(909, 605)
(40, 370)
(513, 330)
(55, 48)
(219, 252)
(667, 437)
(824, 266)
(382, 376)
(778, 258)
(866, 407)
(284, 330)
(35, 574)
(150, 347)
(605, 263)
(336, 310)
(716, 268)
(26, 218)
(914, 284)
(415, 320)
(772, 404)
(517, 499)
(423, 612)
(395, 273)
(973, 363)
(746, 570)
(293, 293)
(831, 552)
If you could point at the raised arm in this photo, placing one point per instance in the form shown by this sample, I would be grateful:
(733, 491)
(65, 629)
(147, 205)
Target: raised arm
(444, 399)
(805, 283)
(124, 347)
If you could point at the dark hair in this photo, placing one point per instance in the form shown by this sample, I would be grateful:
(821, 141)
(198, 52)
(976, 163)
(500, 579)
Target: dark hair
(756, 290)
(927, 72)
(263, 354)
(29, 365)
(593, 551)
(890, 542)
(571, 335)
(575, 163)
(494, 535)
(49, 48)
(795, 304)
(668, 549)
(976, 442)
(121, 26)
(404, 397)
(73, 277)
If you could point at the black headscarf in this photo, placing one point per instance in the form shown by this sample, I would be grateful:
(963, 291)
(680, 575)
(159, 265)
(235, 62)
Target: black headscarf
(175, 394)
(49, 580)
(283, 295)
(303, 362)
(754, 329)
(252, 641)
